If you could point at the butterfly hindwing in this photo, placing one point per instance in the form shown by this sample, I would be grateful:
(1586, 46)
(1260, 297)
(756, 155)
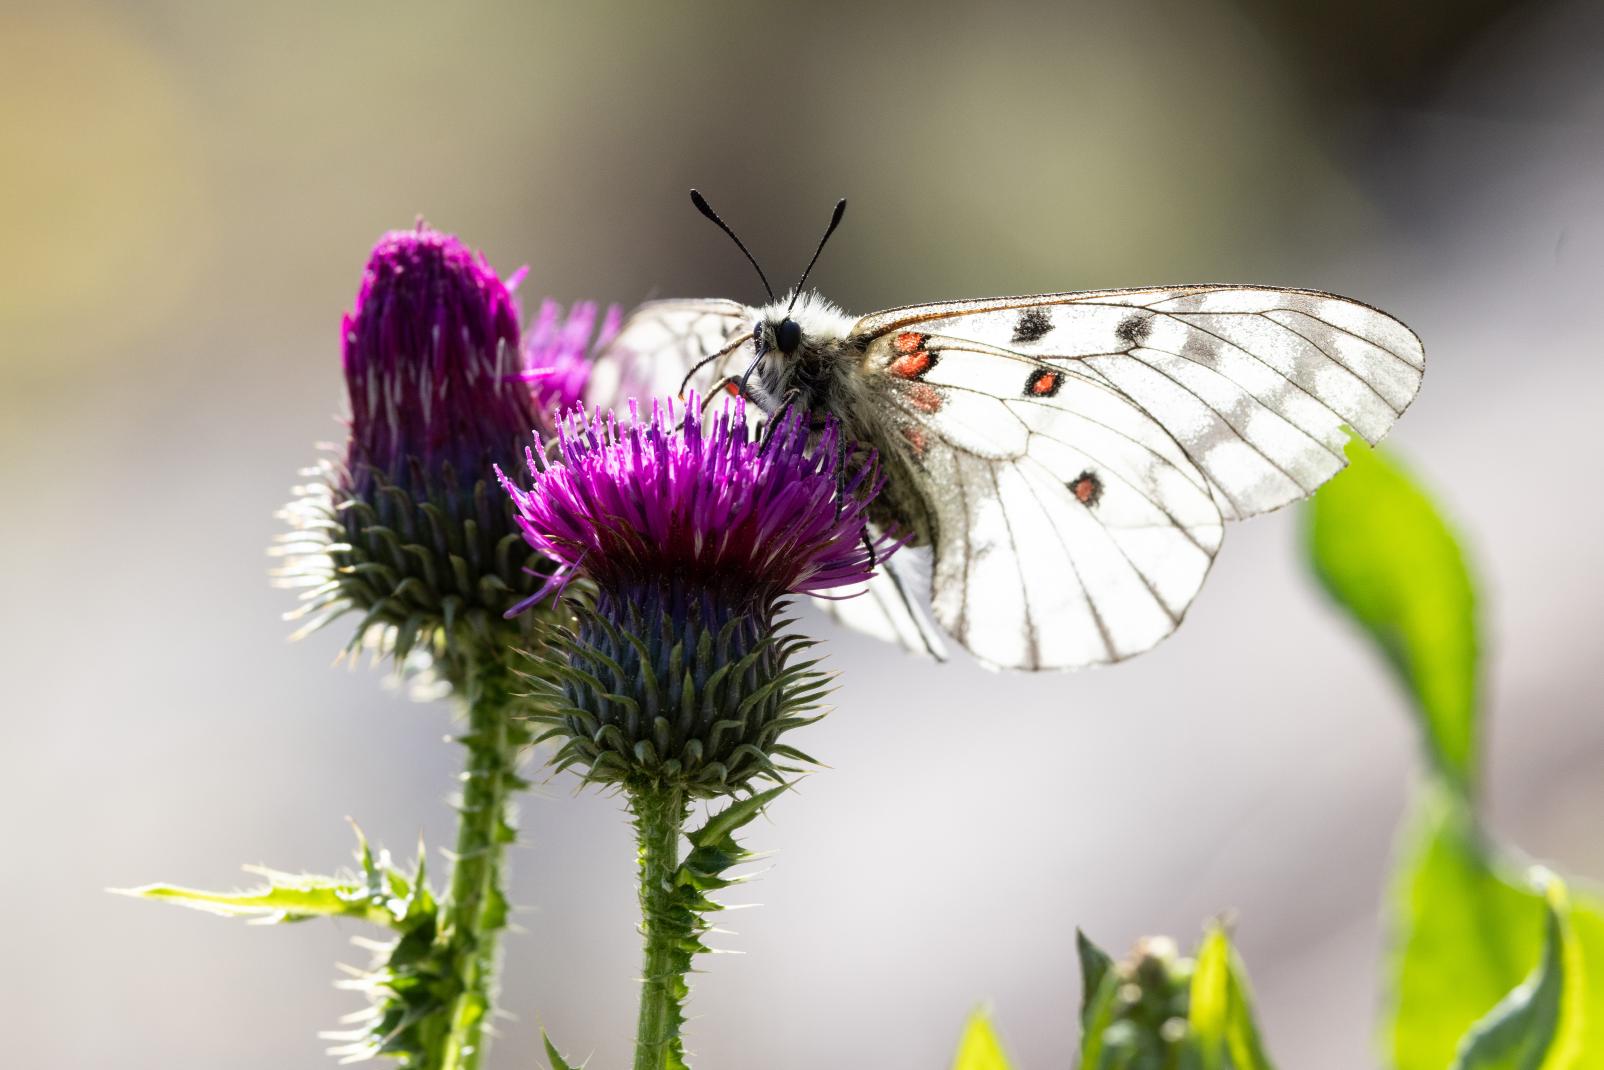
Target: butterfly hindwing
(1069, 527)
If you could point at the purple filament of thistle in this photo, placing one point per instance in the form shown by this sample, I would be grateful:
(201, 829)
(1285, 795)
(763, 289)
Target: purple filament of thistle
(703, 505)
(430, 354)
(559, 351)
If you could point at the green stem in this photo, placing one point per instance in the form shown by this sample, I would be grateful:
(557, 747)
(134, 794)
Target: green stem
(667, 927)
(475, 910)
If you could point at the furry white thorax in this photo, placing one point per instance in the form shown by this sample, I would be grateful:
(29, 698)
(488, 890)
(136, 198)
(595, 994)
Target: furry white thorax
(819, 319)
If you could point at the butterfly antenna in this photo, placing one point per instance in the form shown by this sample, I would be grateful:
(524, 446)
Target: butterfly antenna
(707, 210)
(835, 221)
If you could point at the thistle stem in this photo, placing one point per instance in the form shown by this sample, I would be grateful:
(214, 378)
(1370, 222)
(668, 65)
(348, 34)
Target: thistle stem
(667, 927)
(475, 910)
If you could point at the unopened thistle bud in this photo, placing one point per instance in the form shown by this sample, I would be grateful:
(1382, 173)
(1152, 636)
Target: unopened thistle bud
(681, 673)
(408, 527)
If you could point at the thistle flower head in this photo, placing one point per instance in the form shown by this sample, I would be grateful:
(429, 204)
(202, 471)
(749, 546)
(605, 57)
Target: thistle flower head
(407, 527)
(430, 357)
(693, 534)
(701, 508)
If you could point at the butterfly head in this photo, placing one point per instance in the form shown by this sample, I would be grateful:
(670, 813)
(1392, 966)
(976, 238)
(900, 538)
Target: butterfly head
(783, 334)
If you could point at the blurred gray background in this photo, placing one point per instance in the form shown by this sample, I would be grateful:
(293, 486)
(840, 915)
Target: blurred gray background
(190, 191)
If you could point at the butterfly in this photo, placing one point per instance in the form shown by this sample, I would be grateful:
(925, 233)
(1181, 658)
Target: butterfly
(1069, 459)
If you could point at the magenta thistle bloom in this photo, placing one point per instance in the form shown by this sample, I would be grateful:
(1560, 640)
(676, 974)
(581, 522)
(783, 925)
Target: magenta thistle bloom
(559, 352)
(411, 529)
(431, 361)
(704, 508)
(693, 536)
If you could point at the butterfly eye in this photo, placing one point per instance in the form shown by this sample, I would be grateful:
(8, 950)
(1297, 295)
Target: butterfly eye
(788, 335)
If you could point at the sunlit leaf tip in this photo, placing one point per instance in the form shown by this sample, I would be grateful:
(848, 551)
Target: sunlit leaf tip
(979, 1048)
(1222, 1027)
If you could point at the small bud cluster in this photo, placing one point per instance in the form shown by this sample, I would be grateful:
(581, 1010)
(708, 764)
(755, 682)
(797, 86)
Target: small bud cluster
(1151, 1004)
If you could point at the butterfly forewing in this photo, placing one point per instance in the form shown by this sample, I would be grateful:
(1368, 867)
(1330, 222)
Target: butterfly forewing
(1256, 384)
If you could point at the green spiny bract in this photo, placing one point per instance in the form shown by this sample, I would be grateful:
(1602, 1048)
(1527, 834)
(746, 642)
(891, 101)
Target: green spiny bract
(406, 526)
(690, 698)
(430, 570)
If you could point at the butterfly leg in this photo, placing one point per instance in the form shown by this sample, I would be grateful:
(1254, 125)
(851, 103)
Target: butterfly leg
(868, 544)
(771, 424)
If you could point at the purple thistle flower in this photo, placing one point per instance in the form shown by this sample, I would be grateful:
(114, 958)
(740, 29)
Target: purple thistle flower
(559, 353)
(430, 357)
(701, 507)
(410, 529)
(680, 671)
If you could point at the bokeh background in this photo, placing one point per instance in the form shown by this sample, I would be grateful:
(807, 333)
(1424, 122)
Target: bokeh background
(189, 192)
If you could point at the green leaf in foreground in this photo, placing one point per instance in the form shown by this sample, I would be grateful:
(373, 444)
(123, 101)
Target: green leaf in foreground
(1518, 1032)
(1385, 553)
(1469, 973)
(380, 894)
(410, 985)
(1095, 964)
(979, 1049)
(1222, 1032)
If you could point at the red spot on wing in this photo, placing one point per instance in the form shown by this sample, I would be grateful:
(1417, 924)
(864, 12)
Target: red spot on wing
(916, 438)
(925, 397)
(1087, 488)
(911, 365)
(1043, 383)
(910, 341)
(732, 388)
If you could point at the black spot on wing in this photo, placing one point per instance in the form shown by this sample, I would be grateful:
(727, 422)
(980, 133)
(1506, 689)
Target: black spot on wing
(1034, 323)
(1134, 329)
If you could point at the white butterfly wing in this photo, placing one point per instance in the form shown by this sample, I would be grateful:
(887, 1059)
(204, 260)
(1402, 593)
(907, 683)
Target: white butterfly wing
(889, 609)
(661, 342)
(1069, 528)
(1256, 384)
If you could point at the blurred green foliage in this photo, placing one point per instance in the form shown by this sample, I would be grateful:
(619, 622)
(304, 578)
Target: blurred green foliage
(1158, 1011)
(1384, 552)
(979, 1048)
(1221, 1015)
(1492, 964)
